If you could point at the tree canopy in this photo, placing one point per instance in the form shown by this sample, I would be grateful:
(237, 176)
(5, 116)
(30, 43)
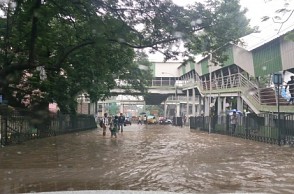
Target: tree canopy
(54, 50)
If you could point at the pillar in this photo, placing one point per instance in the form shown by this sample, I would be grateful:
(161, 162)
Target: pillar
(121, 110)
(224, 104)
(187, 108)
(165, 109)
(178, 109)
(199, 106)
(219, 105)
(239, 103)
(206, 106)
(193, 102)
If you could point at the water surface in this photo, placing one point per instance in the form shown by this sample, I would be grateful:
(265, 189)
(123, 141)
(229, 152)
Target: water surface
(153, 158)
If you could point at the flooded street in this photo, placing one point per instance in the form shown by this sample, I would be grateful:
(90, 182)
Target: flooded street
(156, 158)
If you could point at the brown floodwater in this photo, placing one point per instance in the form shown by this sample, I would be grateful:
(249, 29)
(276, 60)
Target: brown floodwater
(153, 158)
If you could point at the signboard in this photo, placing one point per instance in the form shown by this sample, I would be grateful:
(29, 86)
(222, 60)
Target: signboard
(277, 78)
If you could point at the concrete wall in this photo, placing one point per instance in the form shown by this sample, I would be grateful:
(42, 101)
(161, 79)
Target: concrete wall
(287, 54)
(243, 59)
(170, 69)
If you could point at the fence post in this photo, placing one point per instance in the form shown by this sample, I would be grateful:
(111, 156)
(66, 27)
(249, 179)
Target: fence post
(203, 123)
(246, 126)
(4, 135)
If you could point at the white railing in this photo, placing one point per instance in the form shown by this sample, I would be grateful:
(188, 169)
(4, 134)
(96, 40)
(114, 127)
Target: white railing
(172, 83)
(161, 83)
(183, 99)
(234, 81)
(249, 89)
(225, 82)
(154, 83)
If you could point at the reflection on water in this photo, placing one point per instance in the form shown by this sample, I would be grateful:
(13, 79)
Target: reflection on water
(157, 158)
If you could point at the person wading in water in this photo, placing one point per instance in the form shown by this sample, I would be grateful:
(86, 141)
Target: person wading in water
(104, 123)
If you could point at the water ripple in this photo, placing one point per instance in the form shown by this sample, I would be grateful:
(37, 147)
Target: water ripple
(156, 158)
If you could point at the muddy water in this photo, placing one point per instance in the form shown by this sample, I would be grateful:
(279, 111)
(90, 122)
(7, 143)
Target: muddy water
(156, 158)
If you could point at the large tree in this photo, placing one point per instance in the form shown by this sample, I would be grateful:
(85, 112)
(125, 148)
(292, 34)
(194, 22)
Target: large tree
(82, 46)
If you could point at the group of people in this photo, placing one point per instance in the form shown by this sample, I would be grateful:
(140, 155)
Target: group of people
(142, 119)
(115, 124)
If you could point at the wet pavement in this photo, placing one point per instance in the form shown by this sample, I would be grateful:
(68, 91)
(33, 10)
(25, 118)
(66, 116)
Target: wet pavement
(153, 158)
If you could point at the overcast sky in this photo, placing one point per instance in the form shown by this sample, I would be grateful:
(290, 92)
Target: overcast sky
(256, 8)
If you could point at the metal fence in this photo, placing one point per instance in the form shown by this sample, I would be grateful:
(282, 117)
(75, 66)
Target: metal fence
(18, 125)
(264, 128)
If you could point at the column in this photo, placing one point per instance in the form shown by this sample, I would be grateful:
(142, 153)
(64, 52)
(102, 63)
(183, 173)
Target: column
(121, 107)
(165, 109)
(178, 109)
(193, 102)
(239, 103)
(187, 108)
(219, 105)
(224, 104)
(206, 106)
(199, 106)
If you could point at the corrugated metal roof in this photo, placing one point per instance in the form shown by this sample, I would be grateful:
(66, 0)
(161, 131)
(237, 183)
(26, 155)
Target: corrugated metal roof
(276, 30)
(256, 40)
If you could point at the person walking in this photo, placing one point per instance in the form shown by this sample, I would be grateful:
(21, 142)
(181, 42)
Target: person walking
(185, 119)
(139, 120)
(121, 122)
(114, 127)
(104, 123)
(234, 121)
(290, 84)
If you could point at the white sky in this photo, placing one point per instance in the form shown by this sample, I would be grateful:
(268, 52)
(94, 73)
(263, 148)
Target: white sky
(256, 10)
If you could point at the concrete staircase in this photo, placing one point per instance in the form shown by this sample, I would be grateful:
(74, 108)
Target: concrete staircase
(259, 99)
(268, 97)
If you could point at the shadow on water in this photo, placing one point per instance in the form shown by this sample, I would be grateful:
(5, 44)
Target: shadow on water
(153, 158)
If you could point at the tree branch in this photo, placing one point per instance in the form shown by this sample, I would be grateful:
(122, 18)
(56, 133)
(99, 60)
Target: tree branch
(72, 49)
(146, 45)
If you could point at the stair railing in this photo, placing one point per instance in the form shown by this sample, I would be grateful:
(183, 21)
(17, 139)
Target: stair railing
(226, 82)
(249, 89)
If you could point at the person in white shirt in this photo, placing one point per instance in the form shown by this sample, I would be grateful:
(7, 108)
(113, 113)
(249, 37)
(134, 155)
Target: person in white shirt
(105, 122)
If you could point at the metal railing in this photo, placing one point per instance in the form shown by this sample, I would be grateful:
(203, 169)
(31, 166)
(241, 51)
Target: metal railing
(20, 126)
(170, 83)
(235, 82)
(239, 83)
(264, 128)
(220, 83)
(183, 99)
(249, 89)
